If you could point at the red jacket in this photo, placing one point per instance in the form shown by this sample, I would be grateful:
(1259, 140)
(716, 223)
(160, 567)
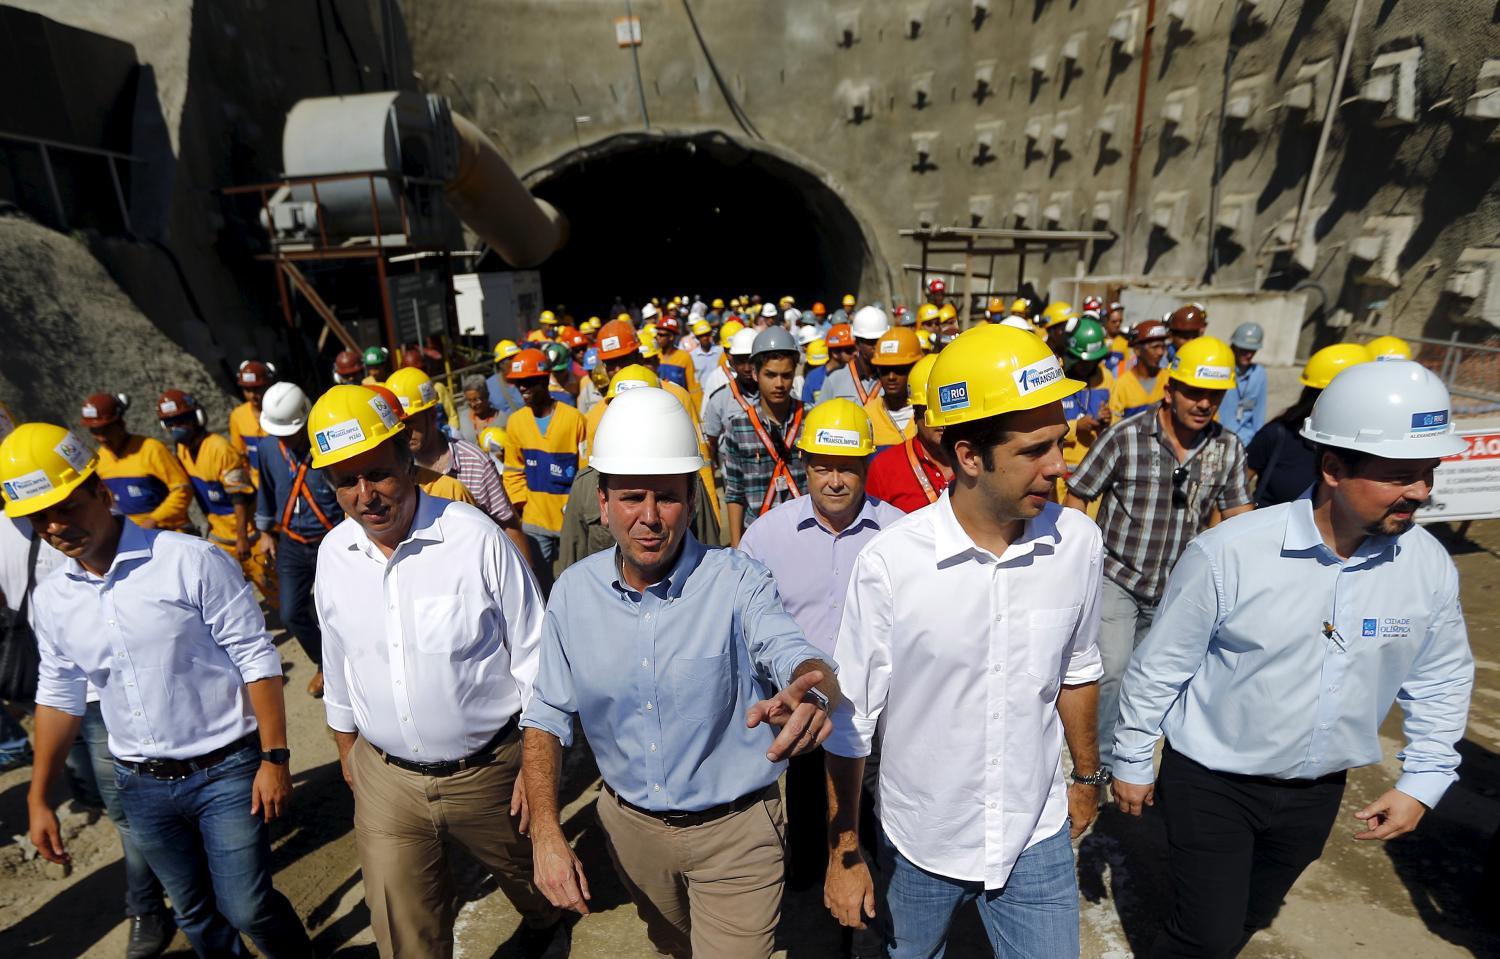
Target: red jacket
(892, 479)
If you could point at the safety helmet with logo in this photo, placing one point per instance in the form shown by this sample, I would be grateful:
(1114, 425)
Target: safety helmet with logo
(1087, 341)
(991, 370)
(669, 324)
(806, 334)
(645, 432)
(548, 318)
(773, 340)
(937, 286)
(727, 332)
(1248, 336)
(616, 339)
(916, 382)
(284, 409)
(575, 340)
(840, 336)
(897, 346)
(1396, 410)
(505, 349)
(414, 390)
(1387, 348)
(40, 465)
(102, 409)
(1206, 362)
(994, 307)
(385, 393)
(558, 357)
(743, 343)
(527, 365)
(1092, 304)
(817, 353)
(377, 356)
(253, 374)
(347, 364)
(492, 440)
(926, 313)
(1021, 306)
(1150, 330)
(870, 323)
(947, 313)
(347, 421)
(1330, 361)
(837, 427)
(1055, 313)
(1191, 319)
(819, 310)
(174, 403)
(701, 327)
(631, 377)
(768, 310)
(848, 301)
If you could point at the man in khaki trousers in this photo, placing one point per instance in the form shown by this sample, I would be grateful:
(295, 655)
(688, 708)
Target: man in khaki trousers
(670, 653)
(430, 627)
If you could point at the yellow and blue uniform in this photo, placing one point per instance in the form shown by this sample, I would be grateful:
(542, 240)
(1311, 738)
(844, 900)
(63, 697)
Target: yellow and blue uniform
(540, 466)
(1119, 354)
(219, 474)
(677, 367)
(245, 435)
(886, 433)
(147, 483)
(1130, 395)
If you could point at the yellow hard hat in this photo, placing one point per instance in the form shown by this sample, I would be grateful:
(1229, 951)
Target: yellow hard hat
(995, 305)
(916, 383)
(1205, 361)
(926, 313)
(1021, 306)
(414, 389)
(1056, 313)
(717, 304)
(817, 352)
(536, 336)
(625, 318)
(347, 421)
(947, 312)
(727, 331)
(1389, 348)
(837, 427)
(505, 349)
(925, 337)
(40, 465)
(593, 322)
(492, 439)
(701, 327)
(897, 346)
(848, 300)
(548, 318)
(990, 370)
(786, 301)
(1330, 361)
(649, 347)
(633, 376)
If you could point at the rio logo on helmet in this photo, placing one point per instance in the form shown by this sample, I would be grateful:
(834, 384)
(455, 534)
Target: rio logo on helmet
(953, 396)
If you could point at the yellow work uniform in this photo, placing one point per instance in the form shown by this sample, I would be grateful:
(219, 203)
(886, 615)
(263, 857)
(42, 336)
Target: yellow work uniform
(539, 467)
(434, 483)
(1130, 395)
(1120, 354)
(219, 474)
(886, 433)
(245, 435)
(596, 413)
(147, 482)
(1095, 397)
(676, 366)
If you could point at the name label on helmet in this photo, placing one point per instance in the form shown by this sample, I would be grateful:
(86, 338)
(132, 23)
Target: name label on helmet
(168, 407)
(1222, 373)
(76, 454)
(340, 435)
(428, 392)
(609, 343)
(890, 346)
(90, 411)
(1043, 372)
(1423, 424)
(383, 410)
(848, 439)
(25, 487)
(953, 396)
(624, 385)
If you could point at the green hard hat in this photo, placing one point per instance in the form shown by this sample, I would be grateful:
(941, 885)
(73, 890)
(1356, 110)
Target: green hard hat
(377, 356)
(558, 357)
(1087, 341)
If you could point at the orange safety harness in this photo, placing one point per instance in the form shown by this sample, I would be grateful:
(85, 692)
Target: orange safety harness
(918, 471)
(299, 494)
(734, 390)
(781, 474)
(859, 386)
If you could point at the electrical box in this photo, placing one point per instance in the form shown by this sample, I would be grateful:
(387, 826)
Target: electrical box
(1485, 103)
(1378, 247)
(1179, 114)
(1308, 95)
(1391, 88)
(1124, 31)
(494, 305)
(1169, 214)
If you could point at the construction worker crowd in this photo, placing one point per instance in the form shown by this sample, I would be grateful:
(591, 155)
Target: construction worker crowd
(845, 599)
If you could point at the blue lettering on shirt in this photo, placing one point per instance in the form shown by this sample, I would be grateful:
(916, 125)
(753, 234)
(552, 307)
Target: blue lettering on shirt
(135, 495)
(211, 497)
(550, 472)
(1368, 628)
(673, 373)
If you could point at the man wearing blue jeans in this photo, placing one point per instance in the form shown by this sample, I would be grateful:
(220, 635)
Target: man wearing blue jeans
(168, 631)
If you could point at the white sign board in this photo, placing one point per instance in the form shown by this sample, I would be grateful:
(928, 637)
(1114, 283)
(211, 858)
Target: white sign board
(628, 31)
(1468, 483)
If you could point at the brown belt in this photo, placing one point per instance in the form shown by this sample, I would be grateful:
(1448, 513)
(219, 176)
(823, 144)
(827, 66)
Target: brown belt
(183, 768)
(482, 757)
(698, 817)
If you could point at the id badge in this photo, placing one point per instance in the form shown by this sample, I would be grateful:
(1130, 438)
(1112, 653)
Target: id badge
(781, 486)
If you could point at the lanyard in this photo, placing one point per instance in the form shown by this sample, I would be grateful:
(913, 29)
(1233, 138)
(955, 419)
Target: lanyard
(294, 499)
(859, 386)
(781, 473)
(734, 390)
(918, 471)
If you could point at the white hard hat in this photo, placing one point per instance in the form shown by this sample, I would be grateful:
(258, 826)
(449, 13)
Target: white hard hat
(870, 323)
(1018, 322)
(648, 311)
(768, 309)
(284, 409)
(806, 334)
(742, 343)
(1397, 410)
(793, 315)
(645, 432)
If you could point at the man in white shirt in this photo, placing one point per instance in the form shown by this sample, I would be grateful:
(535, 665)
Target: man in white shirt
(968, 639)
(430, 628)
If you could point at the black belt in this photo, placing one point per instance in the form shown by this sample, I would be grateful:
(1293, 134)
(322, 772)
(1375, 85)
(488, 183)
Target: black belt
(700, 816)
(483, 757)
(183, 768)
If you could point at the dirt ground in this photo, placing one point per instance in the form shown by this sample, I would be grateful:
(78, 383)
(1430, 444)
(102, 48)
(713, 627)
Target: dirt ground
(1417, 897)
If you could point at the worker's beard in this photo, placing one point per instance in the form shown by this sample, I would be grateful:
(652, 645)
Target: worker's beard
(1391, 525)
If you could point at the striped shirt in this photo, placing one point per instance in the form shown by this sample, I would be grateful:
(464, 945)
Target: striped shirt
(1148, 519)
(476, 471)
(749, 466)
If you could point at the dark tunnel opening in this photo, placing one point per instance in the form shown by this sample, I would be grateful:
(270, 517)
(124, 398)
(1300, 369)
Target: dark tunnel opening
(654, 216)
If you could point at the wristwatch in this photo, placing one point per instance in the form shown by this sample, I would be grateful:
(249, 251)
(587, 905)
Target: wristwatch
(816, 697)
(1101, 778)
(280, 756)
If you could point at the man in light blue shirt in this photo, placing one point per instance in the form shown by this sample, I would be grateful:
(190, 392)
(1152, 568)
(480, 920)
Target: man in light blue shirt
(1243, 411)
(1284, 636)
(670, 653)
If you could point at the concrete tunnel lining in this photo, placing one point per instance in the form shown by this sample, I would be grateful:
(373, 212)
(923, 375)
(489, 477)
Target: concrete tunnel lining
(657, 213)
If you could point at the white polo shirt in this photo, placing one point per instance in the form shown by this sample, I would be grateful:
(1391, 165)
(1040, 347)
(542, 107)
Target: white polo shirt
(958, 656)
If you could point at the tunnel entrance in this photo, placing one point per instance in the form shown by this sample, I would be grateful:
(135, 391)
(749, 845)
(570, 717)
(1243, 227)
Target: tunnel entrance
(658, 216)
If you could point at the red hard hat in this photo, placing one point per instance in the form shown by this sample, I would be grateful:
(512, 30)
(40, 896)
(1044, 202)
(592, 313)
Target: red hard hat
(174, 403)
(1092, 303)
(1149, 330)
(936, 286)
(102, 409)
(348, 363)
(412, 357)
(1190, 317)
(254, 373)
(839, 336)
(527, 365)
(669, 324)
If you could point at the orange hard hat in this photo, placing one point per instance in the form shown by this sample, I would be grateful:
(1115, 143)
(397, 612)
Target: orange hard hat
(574, 340)
(819, 309)
(528, 365)
(839, 336)
(616, 339)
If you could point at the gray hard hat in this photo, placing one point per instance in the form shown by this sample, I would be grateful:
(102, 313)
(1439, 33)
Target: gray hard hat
(1248, 336)
(773, 340)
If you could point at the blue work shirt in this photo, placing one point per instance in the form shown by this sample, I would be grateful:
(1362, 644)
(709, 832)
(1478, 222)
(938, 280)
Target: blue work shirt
(278, 473)
(1241, 676)
(504, 396)
(812, 383)
(662, 679)
(1243, 411)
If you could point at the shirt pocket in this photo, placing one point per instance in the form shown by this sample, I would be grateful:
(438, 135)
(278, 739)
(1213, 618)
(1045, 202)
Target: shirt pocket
(703, 686)
(442, 625)
(1048, 634)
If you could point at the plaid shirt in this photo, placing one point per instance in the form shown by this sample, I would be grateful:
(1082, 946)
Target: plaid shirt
(1147, 519)
(476, 471)
(748, 465)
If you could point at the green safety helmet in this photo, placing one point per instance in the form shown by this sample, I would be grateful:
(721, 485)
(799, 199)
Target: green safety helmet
(377, 356)
(1087, 341)
(558, 357)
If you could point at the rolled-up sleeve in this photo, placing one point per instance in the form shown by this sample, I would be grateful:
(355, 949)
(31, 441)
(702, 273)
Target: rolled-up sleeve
(863, 653)
(229, 609)
(1434, 701)
(61, 683)
(774, 639)
(554, 700)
